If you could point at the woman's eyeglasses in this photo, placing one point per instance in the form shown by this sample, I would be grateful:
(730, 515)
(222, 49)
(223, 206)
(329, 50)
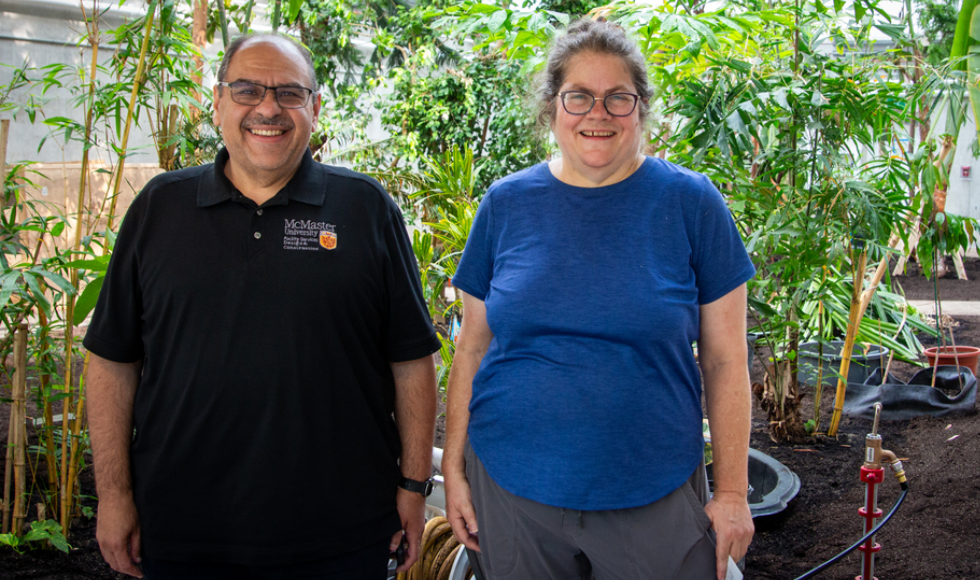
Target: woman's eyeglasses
(616, 104)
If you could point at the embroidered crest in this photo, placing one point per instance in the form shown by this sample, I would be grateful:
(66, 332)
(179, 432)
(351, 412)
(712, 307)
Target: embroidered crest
(328, 239)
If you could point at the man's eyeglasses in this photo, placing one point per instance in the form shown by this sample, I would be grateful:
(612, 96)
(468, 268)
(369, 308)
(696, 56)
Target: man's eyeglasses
(616, 104)
(251, 94)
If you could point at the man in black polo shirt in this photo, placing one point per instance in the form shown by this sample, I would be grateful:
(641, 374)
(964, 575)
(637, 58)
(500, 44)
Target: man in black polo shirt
(261, 389)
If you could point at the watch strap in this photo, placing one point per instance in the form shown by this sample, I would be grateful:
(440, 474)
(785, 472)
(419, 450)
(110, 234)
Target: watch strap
(423, 487)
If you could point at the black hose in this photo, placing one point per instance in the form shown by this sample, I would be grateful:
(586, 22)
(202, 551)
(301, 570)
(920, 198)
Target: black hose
(863, 540)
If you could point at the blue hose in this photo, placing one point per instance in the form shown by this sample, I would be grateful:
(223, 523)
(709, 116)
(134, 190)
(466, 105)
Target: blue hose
(868, 536)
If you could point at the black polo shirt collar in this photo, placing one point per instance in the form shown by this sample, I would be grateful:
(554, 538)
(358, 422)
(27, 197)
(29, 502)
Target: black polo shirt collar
(306, 186)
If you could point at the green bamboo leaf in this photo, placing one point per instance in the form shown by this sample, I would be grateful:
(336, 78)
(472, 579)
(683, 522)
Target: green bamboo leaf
(293, 10)
(87, 300)
(38, 294)
(58, 121)
(58, 280)
(781, 100)
(736, 124)
(99, 264)
(8, 284)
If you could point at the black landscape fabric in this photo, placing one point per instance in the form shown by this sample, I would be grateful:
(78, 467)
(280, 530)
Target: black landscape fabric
(917, 397)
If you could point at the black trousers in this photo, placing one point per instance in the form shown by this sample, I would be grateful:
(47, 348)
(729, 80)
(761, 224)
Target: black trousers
(369, 563)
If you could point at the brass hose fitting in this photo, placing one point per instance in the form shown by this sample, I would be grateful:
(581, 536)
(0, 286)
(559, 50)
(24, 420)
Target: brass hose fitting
(896, 465)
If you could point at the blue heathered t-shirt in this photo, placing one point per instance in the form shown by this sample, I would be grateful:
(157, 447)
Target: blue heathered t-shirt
(589, 396)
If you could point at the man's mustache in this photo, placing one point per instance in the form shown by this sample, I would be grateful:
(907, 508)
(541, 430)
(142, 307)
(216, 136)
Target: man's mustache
(259, 120)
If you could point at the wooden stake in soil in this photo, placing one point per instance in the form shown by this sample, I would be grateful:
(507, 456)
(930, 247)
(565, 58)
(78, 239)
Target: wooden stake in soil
(19, 418)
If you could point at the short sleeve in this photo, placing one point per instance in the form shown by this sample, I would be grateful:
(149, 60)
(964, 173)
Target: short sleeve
(475, 268)
(720, 261)
(115, 332)
(410, 334)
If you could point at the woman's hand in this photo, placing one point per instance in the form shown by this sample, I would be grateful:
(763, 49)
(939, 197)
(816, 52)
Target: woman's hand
(459, 510)
(731, 520)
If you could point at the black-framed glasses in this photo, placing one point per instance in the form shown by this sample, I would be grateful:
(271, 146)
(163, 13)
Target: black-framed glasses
(251, 94)
(616, 104)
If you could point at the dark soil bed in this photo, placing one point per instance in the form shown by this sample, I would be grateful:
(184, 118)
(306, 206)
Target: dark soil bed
(936, 533)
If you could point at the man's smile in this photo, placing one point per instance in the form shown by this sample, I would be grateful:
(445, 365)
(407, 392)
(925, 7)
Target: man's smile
(266, 132)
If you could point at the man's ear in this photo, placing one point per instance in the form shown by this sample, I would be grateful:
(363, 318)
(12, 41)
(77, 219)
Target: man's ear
(215, 98)
(316, 107)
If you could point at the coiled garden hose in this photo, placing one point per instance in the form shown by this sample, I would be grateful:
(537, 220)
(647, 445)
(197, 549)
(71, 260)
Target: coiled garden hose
(439, 550)
(863, 540)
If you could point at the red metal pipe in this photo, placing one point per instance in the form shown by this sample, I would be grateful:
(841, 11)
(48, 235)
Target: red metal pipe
(870, 512)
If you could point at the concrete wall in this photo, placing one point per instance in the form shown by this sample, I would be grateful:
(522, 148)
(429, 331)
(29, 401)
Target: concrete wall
(964, 192)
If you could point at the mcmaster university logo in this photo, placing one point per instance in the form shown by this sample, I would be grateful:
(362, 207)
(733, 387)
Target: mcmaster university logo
(309, 235)
(328, 239)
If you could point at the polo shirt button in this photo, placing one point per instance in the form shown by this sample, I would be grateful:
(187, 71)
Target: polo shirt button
(258, 211)
(257, 235)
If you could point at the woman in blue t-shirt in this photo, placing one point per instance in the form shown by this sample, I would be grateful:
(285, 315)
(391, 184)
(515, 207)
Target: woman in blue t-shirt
(574, 442)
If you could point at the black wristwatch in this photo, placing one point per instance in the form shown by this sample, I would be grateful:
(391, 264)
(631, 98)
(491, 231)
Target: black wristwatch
(423, 487)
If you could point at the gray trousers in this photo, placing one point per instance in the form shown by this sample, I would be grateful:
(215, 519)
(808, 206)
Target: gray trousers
(521, 539)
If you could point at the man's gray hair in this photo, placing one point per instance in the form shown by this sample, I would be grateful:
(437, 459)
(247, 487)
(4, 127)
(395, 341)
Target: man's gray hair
(239, 41)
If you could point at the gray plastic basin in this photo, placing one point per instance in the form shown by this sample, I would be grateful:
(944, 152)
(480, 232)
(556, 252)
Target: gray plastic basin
(771, 484)
(864, 360)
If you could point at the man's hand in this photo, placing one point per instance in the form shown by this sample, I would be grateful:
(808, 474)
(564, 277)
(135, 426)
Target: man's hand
(118, 534)
(731, 519)
(460, 512)
(411, 509)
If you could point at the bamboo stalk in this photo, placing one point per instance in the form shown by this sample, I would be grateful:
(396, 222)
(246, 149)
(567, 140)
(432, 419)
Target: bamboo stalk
(223, 19)
(852, 326)
(4, 135)
(19, 417)
(818, 395)
(77, 444)
(92, 24)
(9, 459)
(48, 434)
(137, 82)
(859, 304)
(276, 16)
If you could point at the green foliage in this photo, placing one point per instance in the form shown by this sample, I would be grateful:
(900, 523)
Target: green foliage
(46, 531)
(176, 106)
(447, 350)
(889, 322)
(433, 277)
(447, 198)
(937, 19)
(480, 105)
(797, 153)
